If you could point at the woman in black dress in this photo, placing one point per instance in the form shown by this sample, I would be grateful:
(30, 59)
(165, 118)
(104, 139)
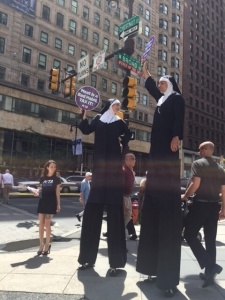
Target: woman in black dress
(49, 204)
(106, 188)
(159, 247)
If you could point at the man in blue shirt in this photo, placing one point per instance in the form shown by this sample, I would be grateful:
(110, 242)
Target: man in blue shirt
(84, 192)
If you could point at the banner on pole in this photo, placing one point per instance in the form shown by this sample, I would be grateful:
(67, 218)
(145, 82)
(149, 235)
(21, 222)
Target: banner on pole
(77, 148)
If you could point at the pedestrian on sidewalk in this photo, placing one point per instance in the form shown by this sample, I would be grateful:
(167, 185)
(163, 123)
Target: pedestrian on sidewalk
(84, 193)
(128, 184)
(106, 188)
(207, 182)
(159, 248)
(49, 204)
(8, 183)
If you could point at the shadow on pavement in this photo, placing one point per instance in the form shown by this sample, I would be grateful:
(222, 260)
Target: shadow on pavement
(34, 262)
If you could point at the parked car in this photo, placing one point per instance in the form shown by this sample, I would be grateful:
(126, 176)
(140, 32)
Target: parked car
(68, 186)
(22, 185)
(77, 179)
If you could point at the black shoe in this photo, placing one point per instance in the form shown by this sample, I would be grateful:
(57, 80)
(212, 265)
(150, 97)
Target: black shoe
(86, 266)
(211, 275)
(202, 276)
(112, 272)
(78, 217)
(133, 237)
(48, 251)
(170, 292)
(105, 234)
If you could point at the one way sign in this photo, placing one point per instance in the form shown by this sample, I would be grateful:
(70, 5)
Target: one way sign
(132, 26)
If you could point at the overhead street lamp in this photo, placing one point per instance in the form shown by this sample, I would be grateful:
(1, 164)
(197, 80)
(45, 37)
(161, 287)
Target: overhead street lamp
(113, 4)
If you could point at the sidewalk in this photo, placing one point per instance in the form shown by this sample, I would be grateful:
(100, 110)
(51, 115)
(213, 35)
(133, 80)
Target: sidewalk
(23, 270)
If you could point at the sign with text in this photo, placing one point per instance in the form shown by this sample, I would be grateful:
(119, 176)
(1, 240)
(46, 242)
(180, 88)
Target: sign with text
(129, 63)
(83, 68)
(148, 47)
(98, 60)
(131, 26)
(87, 98)
(27, 7)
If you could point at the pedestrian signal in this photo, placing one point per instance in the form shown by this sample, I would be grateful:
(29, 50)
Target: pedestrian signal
(54, 79)
(129, 93)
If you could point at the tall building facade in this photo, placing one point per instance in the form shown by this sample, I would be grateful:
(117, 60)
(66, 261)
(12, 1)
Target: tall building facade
(203, 78)
(36, 125)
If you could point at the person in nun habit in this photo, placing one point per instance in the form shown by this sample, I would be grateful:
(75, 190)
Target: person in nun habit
(159, 247)
(106, 189)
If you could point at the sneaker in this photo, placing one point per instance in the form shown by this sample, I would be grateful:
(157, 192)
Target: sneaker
(78, 217)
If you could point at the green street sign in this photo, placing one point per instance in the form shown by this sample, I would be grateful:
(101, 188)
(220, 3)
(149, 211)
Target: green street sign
(130, 26)
(130, 63)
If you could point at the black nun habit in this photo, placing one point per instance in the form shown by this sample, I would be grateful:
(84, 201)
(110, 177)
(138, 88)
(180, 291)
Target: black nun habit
(160, 237)
(106, 188)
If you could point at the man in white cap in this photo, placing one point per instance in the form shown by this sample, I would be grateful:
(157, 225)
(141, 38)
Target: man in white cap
(84, 192)
(159, 247)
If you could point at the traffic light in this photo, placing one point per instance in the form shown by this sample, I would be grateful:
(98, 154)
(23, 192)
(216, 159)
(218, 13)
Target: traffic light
(69, 86)
(67, 89)
(129, 93)
(72, 86)
(54, 79)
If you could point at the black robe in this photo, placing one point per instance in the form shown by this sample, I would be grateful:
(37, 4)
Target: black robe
(160, 237)
(106, 191)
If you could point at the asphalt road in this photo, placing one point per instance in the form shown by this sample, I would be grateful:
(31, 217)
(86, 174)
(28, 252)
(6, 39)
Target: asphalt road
(70, 206)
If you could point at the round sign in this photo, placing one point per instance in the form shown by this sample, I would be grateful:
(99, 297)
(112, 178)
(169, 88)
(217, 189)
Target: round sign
(87, 98)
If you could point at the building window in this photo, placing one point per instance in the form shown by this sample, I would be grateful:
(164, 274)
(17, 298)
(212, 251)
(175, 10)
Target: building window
(83, 53)
(116, 30)
(25, 79)
(59, 20)
(71, 50)
(104, 84)
(163, 39)
(2, 45)
(95, 38)
(163, 24)
(2, 73)
(46, 13)
(139, 43)
(3, 18)
(84, 33)
(98, 3)
(28, 30)
(107, 25)
(105, 67)
(72, 26)
(147, 30)
(106, 44)
(58, 44)
(94, 81)
(86, 13)
(97, 19)
(56, 64)
(140, 9)
(163, 9)
(114, 88)
(144, 100)
(26, 55)
(74, 6)
(44, 37)
(147, 14)
(40, 85)
(42, 59)
(61, 2)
